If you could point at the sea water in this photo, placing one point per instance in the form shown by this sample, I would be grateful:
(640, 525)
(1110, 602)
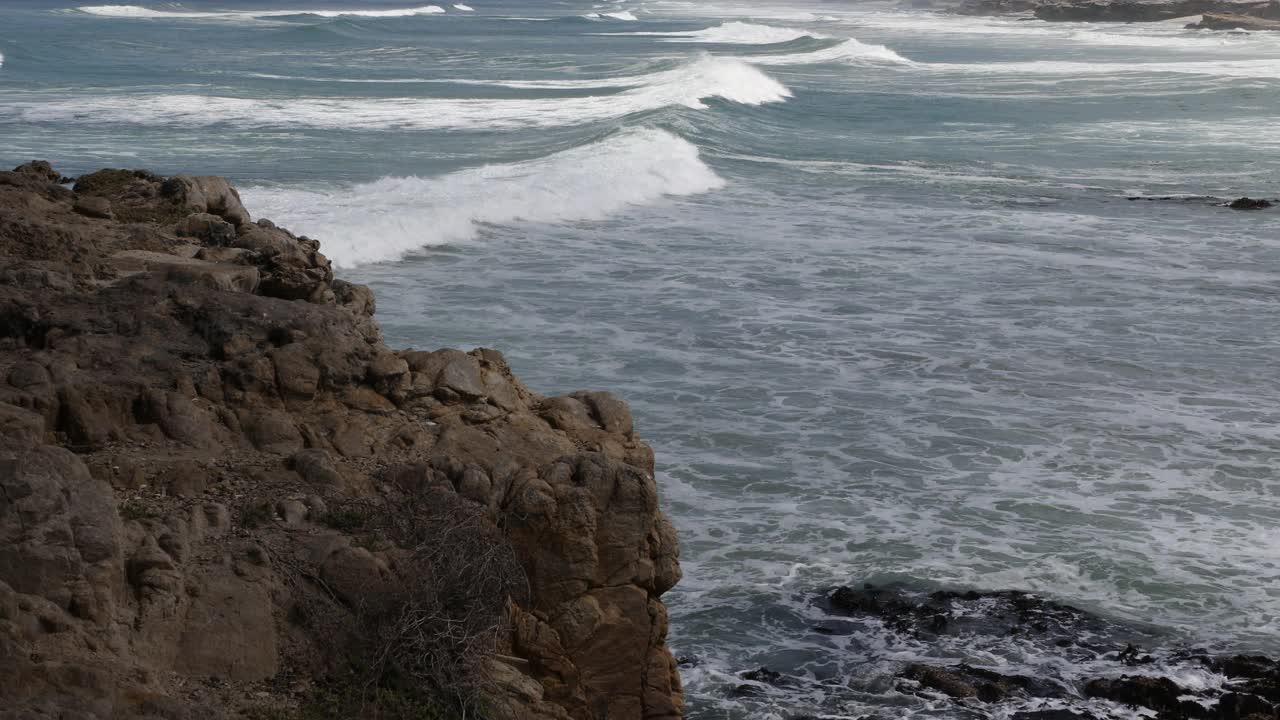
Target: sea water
(896, 296)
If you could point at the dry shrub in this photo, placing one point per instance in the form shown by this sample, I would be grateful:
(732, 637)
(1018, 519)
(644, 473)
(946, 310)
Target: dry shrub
(432, 631)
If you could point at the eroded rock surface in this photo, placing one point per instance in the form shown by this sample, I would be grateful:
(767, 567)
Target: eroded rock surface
(185, 394)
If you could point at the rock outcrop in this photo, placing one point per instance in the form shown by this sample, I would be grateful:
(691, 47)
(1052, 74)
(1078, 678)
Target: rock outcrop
(1121, 10)
(1234, 21)
(188, 401)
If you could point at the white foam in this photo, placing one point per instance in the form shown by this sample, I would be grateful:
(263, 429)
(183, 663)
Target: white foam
(463, 8)
(732, 33)
(402, 12)
(1259, 68)
(1, 59)
(849, 51)
(603, 83)
(137, 11)
(687, 85)
(385, 219)
(620, 15)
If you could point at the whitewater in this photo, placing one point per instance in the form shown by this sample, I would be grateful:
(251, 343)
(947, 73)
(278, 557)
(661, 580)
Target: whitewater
(900, 297)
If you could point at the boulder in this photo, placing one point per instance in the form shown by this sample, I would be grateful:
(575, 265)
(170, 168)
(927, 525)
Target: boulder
(94, 207)
(206, 227)
(207, 194)
(19, 428)
(39, 169)
(272, 431)
(1245, 203)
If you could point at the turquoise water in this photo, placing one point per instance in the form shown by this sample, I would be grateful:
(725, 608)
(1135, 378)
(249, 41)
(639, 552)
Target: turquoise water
(870, 278)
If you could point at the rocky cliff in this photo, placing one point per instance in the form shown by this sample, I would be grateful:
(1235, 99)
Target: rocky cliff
(221, 494)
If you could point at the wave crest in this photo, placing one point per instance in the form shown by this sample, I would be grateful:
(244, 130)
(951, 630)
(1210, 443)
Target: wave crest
(388, 218)
(848, 51)
(731, 33)
(138, 11)
(688, 86)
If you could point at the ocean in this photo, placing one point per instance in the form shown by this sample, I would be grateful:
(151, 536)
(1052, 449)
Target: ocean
(897, 296)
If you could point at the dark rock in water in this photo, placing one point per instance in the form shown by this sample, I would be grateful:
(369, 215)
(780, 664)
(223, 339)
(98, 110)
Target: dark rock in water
(1248, 707)
(1233, 21)
(1002, 613)
(1133, 656)
(989, 686)
(764, 675)
(1158, 693)
(1122, 10)
(1079, 660)
(1059, 714)
(1185, 199)
(759, 679)
(1246, 203)
(1262, 674)
(688, 661)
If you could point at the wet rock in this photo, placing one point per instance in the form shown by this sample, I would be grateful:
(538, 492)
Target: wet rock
(1005, 612)
(1057, 714)
(1157, 693)
(1245, 203)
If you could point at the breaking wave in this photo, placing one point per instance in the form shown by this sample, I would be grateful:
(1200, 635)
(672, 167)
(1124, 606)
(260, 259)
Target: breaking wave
(388, 218)
(688, 86)
(138, 11)
(732, 33)
(844, 52)
(620, 15)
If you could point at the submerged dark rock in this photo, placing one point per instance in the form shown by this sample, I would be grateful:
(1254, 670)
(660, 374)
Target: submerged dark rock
(966, 681)
(1246, 203)
(1007, 612)
(1097, 673)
